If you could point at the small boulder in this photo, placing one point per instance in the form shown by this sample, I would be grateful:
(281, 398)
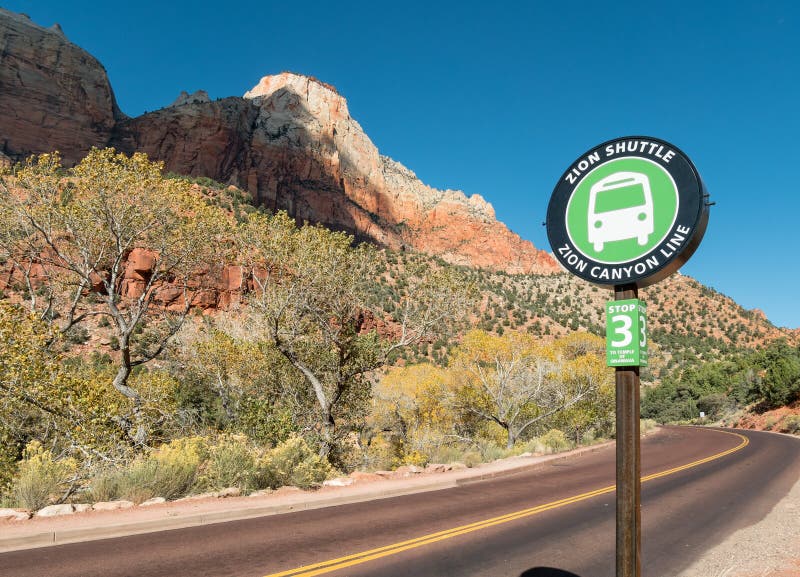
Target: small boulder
(14, 514)
(261, 493)
(230, 492)
(360, 476)
(56, 510)
(81, 507)
(408, 470)
(112, 505)
(338, 482)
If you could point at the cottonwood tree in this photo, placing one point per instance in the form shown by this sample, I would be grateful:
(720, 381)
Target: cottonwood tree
(409, 405)
(88, 222)
(514, 381)
(68, 406)
(312, 294)
(584, 367)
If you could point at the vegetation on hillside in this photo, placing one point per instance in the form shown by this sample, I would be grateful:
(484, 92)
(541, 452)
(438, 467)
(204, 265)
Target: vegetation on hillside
(335, 356)
(765, 379)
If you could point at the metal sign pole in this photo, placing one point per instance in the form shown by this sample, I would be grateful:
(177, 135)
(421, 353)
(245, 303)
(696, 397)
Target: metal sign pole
(629, 532)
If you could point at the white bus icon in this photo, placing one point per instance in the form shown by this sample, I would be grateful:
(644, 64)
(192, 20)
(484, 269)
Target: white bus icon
(620, 207)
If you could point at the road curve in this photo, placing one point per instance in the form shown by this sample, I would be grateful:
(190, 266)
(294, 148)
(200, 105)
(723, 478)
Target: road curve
(558, 519)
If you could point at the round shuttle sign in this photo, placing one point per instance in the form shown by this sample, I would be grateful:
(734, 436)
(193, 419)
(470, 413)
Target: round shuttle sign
(630, 211)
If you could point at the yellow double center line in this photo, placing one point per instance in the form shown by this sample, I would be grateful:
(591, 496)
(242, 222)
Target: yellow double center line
(364, 556)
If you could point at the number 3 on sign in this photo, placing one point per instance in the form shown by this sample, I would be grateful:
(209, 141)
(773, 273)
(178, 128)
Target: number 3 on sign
(624, 331)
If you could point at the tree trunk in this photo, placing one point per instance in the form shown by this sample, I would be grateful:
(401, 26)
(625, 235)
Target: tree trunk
(328, 434)
(135, 430)
(512, 438)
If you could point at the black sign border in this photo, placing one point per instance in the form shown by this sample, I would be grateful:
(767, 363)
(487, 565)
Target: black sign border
(693, 209)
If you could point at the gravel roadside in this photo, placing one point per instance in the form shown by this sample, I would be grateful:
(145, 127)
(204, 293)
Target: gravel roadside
(770, 548)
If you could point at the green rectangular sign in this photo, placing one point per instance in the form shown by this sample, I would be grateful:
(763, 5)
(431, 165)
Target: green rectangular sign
(626, 333)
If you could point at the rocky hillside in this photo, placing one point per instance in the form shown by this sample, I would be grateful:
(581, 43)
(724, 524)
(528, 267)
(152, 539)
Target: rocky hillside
(689, 322)
(290, 142)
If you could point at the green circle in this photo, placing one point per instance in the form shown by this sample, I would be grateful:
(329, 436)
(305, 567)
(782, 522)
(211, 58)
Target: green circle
(621, 210)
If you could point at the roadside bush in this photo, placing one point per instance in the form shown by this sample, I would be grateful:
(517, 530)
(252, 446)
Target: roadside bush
(104, 486)
(378, 454)
(791, 424)
(555, 441)
(472, 459)
(294, 463)
(169, 471)
(40, 478)
(534, 446)
(647, 425)
(447, 454)
(589, 437)
(715, 405)
(231, 462)
(491, 451)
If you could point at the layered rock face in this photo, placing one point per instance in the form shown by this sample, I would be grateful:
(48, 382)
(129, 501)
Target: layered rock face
(53, 94)
(290, 141)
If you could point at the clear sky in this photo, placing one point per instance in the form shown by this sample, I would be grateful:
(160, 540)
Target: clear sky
(498, 98)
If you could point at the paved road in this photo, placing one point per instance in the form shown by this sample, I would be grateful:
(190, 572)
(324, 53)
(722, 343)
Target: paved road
(554, 520)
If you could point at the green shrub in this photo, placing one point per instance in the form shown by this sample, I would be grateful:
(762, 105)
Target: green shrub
(40, 478)
(534, 446)
(791, 424)
(647, 425)
(715, 405)
(104, 486)
(491, 451)
(590, 437)
(555, 441)
(447, 454)
(472, 459)
(294, 463)
(231, 462)
(77, 335)
(169, 471)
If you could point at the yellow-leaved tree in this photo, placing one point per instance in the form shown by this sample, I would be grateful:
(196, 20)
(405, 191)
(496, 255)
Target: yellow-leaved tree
(80, 227)
(584, 368)
(68, 406)
(514, 380)
(411, 407)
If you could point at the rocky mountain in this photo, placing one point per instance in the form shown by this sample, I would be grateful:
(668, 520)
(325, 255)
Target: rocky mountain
(53, 94)
(290, 142)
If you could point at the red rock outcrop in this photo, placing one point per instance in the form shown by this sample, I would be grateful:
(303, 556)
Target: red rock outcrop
(290, 141)
(53, 94)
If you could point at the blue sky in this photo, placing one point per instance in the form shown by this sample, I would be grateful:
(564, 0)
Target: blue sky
(499, 98)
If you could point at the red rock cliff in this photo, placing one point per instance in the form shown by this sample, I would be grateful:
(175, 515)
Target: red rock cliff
(53, 94)
(290, 141)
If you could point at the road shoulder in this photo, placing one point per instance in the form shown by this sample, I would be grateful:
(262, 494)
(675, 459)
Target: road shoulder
(93, 525)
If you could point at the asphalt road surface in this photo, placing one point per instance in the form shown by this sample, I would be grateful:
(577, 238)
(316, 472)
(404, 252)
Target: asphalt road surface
(699, 486)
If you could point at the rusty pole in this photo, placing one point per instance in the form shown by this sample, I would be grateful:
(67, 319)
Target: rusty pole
(629, 487)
